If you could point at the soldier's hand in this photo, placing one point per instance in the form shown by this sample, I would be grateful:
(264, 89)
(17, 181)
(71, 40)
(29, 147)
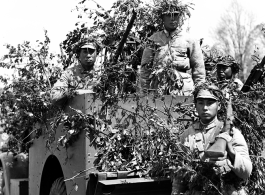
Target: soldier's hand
(222, 167)
(220, 164)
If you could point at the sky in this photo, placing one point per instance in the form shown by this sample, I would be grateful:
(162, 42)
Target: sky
(25, 20)
(207, 13)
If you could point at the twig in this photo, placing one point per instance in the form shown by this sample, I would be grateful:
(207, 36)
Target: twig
(42, 65)
(124, 38)
(79, 173)
(98, 5)
(258, 157)
(29, 134)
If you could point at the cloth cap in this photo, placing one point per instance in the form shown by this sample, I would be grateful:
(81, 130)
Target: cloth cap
(206, 94)
(88, 45)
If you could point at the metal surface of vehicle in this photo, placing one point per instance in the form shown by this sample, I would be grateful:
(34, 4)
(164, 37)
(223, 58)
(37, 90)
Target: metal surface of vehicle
(49, 168)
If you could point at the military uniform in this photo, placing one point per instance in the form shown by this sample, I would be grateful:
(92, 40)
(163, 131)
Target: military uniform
(73, 78)
(200, 137)
(173, 50)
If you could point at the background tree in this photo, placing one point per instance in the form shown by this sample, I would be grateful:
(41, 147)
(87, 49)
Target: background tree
(238, 35)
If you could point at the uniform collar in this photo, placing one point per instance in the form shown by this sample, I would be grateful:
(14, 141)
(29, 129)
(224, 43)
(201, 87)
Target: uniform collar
(82, 70)
(78, 69)
(206, 127)
(173, 33)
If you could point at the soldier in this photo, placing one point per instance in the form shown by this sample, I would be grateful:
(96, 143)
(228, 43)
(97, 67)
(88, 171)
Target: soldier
(202, 134)
(171, 53)
(79, 76)
(227, 70)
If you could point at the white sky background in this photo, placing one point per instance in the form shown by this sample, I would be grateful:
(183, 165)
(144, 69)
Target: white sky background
(25, 20)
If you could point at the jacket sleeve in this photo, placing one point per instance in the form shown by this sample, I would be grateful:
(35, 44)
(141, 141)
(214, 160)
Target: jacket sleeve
(60, 89)
(197, 63)
(242, 166)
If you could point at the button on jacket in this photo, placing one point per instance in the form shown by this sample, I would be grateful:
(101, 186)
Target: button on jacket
(172, 50)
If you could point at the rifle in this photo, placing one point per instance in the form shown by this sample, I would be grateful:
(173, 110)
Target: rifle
(119, 50)
(254, 76)
(124, 38)
(219, 147)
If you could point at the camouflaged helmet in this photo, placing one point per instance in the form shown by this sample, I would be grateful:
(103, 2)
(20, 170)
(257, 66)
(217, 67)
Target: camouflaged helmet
(172, 7)
(215, 57)
(211, 57)
(229, 61)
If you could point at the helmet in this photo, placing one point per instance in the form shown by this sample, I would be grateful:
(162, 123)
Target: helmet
(229, 61)
(171, 7)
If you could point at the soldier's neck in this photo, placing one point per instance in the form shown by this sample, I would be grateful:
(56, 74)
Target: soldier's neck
(206, 123)
(170, 31)
(87, 68)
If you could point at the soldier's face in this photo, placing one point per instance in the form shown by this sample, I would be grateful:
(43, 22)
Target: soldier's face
(87, 57)
(170, 21)
(224, 72)
(207, 109)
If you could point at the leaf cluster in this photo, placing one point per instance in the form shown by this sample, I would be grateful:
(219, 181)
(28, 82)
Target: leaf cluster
(249, 115)
(26, 100)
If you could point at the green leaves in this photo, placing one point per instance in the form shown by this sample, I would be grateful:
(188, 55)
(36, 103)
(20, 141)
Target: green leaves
(26, 101)
(249, 118)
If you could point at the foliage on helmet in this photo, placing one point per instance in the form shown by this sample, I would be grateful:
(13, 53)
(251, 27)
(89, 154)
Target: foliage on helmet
(172, 6)
(229, 61)
(211, 57)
